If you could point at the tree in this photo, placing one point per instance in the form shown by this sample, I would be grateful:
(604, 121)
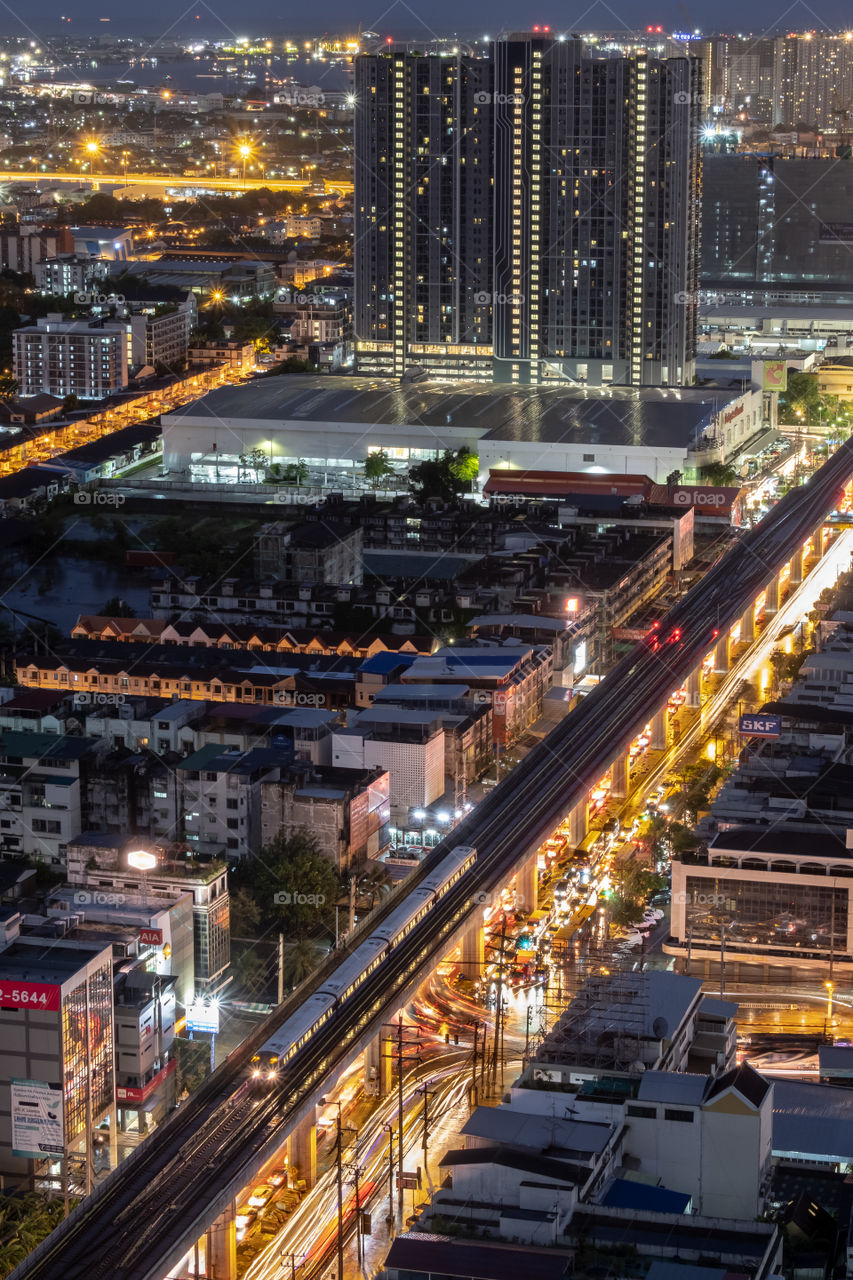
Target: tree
(444, 477)
(465, 466)
(294, 885)
(115, 607)
(8, 385)
(377, 466)
(245, 913)
(251, 972)
(301, 959)
(720, 473)
(70, 403)
(296, 472)
(801, 402)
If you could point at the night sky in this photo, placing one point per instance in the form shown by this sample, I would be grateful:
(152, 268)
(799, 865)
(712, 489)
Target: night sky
(411, 18)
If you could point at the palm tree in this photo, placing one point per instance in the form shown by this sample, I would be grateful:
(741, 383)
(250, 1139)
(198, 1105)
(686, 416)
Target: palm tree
(301, 959)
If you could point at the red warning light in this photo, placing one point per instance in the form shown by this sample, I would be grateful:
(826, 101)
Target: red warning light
(535, 28)
(658, 31)
(546, 28)
(389, 40)
(649, 30)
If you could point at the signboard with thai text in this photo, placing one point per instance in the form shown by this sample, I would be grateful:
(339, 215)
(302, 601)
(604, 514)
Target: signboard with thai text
(37, 1125)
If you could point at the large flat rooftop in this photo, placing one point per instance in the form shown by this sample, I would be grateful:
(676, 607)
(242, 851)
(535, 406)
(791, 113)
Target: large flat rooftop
(617, 415)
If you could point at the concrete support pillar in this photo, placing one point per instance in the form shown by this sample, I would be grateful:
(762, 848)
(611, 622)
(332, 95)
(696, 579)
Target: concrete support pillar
(825, 535)
(579, 822)
(305, 1151)
(619, 776)
(657, 741)
(747, 625)
(771, 600)
(694, 688)
(114, 1140)
(473, 950)
(221, 1245)
(527, 884)
(796, 568)
(377, 1067)
(721, 653)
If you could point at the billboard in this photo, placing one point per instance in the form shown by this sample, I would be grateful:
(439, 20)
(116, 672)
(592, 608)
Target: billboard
(775, 376)
(153, 937)
(29, 995)
(203, 1017)
(37, 1128)
(760, 726)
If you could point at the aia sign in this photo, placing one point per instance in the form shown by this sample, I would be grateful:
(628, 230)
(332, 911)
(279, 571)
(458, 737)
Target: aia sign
(153, 937)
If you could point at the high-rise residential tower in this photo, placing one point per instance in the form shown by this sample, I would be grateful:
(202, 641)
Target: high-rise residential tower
(528, 216)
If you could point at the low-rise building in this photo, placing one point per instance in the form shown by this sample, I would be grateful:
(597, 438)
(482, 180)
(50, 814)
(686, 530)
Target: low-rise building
(347, 811)
(239, 357)
(406, 746)
(314, 552)
(57, 1057)
(42, 793)
(88, 359)
(109, 863)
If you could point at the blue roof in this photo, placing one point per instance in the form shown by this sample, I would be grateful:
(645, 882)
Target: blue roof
(382, 663)
(624, 1194)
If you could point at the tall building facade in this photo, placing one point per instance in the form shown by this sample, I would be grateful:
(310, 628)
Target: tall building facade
(528, 216)
(423, 179)
(89, 359)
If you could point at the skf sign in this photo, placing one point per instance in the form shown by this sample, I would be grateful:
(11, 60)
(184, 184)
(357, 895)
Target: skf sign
(761, 726)
(151, 937)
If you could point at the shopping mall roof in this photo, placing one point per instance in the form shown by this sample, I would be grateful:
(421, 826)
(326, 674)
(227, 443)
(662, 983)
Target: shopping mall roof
(617, 415)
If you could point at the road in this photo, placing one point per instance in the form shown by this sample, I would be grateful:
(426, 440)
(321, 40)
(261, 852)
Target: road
(171, 181)
(146, 1215)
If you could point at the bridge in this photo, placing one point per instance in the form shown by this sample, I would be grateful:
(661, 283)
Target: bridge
(183, 1180)
(173, 182)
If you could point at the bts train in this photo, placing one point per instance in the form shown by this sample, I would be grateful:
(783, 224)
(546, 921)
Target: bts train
(357, 967)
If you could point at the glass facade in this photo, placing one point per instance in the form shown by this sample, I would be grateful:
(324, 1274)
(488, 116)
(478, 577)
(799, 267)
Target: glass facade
(87, 1051)
(764, 911)
(212, 940)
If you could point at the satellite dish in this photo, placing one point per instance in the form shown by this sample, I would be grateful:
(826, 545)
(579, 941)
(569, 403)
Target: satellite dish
(638, 1065)
(660, 1028)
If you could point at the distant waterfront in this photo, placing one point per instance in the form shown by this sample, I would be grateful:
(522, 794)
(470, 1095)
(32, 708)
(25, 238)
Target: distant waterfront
(208, 75)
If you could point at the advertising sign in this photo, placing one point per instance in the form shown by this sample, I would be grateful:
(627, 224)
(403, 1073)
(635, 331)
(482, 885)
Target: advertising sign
(203, 1017)
(760, 726)
(154, 937)
(29, 995)
(775, 375)
(37, 1128)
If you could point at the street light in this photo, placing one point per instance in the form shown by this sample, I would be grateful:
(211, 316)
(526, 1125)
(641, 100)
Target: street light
(244, 150)
(830, 987)
(92, 150)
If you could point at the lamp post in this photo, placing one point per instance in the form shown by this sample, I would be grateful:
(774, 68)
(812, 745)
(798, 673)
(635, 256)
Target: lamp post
(245, 151)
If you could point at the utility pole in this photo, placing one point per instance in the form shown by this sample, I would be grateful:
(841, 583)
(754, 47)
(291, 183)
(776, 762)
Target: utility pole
(499, 1003)
(476, 1025)
(281, 968)
(402, 1057)
(389, 1129)
(339, 1173)
(339, 1167)
(527, 1035)
(425, 1090)
(356, 1171)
